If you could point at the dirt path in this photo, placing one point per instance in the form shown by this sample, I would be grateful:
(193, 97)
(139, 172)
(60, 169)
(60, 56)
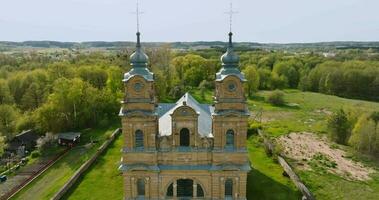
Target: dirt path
(310, 150)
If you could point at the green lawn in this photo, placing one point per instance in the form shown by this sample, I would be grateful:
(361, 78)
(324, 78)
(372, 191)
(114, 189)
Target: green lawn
(102, 179)
(46, 185)
(265, 181)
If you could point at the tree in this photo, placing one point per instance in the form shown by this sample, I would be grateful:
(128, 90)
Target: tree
(5, 95)
(288, 70)
(94, 75)
(8, 120)
(264, 78)
(363, 136)
(252, 77)
(339, 127)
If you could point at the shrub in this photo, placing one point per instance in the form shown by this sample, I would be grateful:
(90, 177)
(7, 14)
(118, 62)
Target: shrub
(35, 154)
(276, 98)
(339, 127)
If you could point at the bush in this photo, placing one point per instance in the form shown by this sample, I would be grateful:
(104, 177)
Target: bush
(35, 154)
(339, 127)
(276, 98)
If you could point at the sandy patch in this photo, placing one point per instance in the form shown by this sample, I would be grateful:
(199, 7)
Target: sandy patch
(308, 149)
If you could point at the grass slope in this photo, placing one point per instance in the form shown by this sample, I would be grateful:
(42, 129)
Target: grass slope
(102, 179)
(46, 185)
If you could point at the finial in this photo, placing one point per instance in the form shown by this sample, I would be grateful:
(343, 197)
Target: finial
(138, 40)
(231, 13)
(138, 13)
(230, 39)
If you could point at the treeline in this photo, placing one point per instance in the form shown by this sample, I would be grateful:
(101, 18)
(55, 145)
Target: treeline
(66, 90)
(350, 74)
(54, 96)
(359, 130)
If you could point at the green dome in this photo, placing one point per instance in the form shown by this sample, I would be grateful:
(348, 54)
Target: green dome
(230, 58)
(139, 58)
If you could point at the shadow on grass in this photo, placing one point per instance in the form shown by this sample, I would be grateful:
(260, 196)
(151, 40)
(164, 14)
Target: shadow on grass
(262, 187)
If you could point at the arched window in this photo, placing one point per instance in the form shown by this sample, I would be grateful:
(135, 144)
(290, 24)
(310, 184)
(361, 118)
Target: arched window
(200, 191)
(230, 139)
(185, 137)
(139, 139)
(228, 188)
(184, 189)
(170, 190)
(140, 187)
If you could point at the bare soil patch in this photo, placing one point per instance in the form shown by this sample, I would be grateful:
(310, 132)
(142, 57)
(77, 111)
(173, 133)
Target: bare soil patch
(311, 151)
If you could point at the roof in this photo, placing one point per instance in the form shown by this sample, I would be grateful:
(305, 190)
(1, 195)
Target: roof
(28, 135)
(204, 120)
(68, 136)
(225, 72)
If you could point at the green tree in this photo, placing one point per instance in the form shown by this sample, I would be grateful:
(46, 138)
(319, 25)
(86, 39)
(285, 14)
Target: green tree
(5, 95)
(8, 120)
(94, 75)
(252, 77)
(339, 127)
(363, 136)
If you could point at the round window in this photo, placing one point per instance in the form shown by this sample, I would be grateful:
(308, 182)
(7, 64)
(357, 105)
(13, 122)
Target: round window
(232, 87)
(138, 86)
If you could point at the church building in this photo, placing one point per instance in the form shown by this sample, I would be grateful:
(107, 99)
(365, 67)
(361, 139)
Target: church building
(184, 150)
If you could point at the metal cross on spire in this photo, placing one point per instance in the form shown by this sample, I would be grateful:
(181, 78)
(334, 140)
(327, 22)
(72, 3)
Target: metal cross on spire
(138, 13)
(231, 13)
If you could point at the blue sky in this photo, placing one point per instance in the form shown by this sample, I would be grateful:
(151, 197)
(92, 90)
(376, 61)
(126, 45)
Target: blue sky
(278, 21)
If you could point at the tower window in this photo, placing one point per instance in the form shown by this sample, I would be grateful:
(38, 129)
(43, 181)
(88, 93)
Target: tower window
(139, 139)
(184, 137)
(230, 139)
(229, 188)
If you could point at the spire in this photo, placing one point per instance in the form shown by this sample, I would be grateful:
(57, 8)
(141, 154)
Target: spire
(230, 59)
(138, 58)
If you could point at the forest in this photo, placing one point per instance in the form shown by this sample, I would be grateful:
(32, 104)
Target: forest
(55, 90)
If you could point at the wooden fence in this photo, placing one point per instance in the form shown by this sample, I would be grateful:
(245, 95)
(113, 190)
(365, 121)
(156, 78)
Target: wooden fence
(307, 195)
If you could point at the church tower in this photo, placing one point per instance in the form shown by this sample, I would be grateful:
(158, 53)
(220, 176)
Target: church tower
(139, 128)
(139, 103)
(231, 111)
(229, 127)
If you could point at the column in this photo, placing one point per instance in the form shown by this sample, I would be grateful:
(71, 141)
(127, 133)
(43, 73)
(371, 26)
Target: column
(194, 189)
(174, 188)
(237, 188)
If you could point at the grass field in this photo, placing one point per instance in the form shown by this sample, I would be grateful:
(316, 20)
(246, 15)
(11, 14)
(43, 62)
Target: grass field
(306, 112)
(102, 179)
(45, 186)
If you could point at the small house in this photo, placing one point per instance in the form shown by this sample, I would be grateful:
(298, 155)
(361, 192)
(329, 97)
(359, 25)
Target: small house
(25, 141)
(68, 139)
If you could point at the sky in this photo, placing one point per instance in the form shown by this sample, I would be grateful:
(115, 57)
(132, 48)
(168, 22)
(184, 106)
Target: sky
(265, 21)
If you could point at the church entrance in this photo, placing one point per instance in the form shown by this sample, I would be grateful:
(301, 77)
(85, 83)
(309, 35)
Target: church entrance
(184, 137)
(185, 189)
